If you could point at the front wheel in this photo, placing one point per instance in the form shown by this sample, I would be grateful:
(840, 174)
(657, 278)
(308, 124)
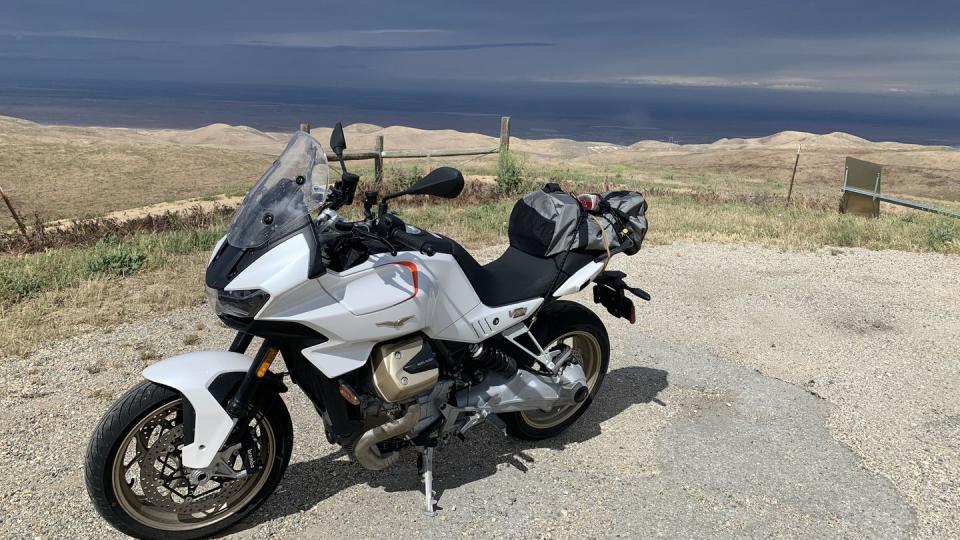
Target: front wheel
(567, 323)
(136, 482)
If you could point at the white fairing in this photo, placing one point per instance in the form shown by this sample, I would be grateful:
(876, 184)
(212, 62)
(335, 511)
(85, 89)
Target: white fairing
(373, 302)
(278, 271)
(191, 374)
(579, 279)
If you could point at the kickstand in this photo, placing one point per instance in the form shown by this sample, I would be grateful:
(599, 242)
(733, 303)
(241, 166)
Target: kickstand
(426, 468)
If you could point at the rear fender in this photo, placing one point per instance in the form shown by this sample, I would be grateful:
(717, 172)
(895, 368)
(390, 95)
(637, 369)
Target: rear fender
(191, 374)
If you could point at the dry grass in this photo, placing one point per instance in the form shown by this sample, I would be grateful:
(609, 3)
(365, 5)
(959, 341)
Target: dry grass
(41, 236)
(103, 273)
(100, 303)
(173, 277)
(78, 179)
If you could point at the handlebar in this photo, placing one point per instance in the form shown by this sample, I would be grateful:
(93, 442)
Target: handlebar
(419, 242)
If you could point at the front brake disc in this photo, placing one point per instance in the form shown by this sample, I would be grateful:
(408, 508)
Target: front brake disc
(165, 484)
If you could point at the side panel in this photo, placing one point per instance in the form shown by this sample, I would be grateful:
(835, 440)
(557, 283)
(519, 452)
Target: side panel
(375, 301)
(377, 288)
(372, 302)
(580, 278)
(483, 322)
(191, 375)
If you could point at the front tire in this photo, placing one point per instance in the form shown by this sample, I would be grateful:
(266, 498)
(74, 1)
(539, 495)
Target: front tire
(135, 481)
(572, 324)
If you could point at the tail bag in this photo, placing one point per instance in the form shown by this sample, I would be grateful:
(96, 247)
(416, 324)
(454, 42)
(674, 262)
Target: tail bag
(549, 221)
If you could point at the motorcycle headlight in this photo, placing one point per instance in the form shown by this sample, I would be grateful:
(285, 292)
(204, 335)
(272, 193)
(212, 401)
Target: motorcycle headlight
(242, 304)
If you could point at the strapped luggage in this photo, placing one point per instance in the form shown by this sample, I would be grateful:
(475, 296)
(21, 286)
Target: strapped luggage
(549, 221)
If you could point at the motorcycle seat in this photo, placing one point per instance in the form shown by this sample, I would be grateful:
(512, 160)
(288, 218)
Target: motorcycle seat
(517, 276)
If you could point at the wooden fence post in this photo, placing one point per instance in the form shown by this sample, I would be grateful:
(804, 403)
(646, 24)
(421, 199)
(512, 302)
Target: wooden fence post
(504, 134)
(16, 216)
(378, 161)
(794, 175)
(305, 127)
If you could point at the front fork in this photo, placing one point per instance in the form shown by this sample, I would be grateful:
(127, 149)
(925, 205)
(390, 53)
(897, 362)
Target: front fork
(238, 405)
(240, 402)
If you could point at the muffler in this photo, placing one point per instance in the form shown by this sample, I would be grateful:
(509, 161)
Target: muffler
(365, 451)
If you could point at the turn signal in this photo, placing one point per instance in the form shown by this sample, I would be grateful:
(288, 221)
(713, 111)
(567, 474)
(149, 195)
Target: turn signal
(265, 365)
(416, 277)
(348, 394)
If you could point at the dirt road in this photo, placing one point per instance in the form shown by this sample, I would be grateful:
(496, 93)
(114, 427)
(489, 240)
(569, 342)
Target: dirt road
(761, 393)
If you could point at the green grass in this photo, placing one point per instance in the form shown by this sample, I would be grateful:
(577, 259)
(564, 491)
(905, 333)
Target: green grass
(510, 173)
(672, 217)
(26, 276)
(65, 291)
(677, 218)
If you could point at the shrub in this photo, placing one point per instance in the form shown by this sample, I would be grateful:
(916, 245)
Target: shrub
(843, 232)
(18, 286)
(399, 178)
(509, 173)
(117, 262)
(941, 232)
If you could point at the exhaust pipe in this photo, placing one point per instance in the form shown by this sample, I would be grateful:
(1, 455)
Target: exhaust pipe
(365, 451)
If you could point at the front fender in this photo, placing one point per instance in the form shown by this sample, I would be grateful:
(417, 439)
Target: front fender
(191, 375)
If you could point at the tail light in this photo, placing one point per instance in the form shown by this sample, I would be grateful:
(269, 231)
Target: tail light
(589, 201)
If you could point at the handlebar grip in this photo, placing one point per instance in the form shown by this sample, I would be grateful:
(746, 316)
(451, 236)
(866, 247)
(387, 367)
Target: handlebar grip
(419, 242)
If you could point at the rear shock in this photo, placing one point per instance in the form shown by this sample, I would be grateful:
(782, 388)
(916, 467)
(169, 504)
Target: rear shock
(492, 358)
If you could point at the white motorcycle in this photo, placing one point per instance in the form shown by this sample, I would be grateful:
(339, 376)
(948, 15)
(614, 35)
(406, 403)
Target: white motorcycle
(397, 335)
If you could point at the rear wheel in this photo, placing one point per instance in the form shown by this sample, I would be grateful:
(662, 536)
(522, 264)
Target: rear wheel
(136, 481)
(567, 323)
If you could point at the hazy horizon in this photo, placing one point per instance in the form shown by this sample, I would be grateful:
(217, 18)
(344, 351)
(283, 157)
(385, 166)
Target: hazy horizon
(617, 71)
(620, 114)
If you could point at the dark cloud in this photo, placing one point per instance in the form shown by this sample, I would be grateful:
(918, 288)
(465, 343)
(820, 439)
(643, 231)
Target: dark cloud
(816, 45)
(395, 48)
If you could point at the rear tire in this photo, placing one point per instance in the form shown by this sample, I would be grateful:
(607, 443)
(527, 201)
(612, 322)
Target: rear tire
(559, 321)
(146, 409)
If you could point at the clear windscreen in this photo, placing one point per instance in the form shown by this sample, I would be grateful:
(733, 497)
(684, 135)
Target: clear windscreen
(283, 198)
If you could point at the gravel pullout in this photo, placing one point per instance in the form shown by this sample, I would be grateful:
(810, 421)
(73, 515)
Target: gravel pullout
(761, 393)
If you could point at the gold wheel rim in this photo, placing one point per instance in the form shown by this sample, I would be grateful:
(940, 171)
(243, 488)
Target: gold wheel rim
(591, 356)
(143, 511)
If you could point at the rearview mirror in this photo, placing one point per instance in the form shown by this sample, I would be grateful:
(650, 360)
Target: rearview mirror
(337, 142)
(445, 182)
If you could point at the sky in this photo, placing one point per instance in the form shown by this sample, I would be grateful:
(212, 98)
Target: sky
(880, 46)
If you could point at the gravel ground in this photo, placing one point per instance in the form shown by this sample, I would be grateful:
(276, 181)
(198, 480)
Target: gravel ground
(761, 393)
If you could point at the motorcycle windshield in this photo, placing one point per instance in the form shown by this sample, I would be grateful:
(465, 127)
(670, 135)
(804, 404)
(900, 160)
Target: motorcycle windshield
(283, 198)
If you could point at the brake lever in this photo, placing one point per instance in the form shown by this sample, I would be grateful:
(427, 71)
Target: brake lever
(384, 241)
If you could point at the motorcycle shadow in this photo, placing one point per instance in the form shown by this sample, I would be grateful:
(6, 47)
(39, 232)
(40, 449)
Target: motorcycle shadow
(308, 483)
